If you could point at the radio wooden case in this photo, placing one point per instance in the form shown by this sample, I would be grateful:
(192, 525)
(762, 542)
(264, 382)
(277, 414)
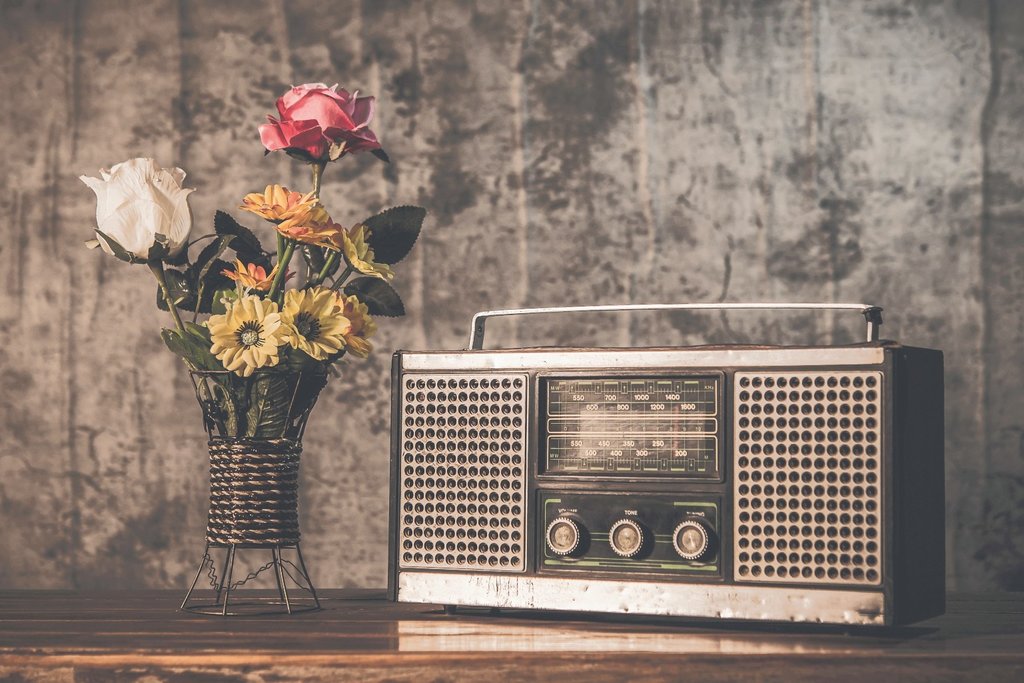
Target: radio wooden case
(763, 483)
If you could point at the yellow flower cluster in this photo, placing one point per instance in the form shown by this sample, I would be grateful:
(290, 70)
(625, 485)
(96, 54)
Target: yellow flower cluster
(316, 321)
(277, 203)
(302, 218)
(296, 216)
(359, 254)
(362, 326)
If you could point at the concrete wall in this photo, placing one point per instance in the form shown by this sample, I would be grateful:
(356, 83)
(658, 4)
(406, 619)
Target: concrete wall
(568, 152)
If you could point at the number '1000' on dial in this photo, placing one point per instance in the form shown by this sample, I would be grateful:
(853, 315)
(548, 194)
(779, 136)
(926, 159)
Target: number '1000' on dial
(632, 426)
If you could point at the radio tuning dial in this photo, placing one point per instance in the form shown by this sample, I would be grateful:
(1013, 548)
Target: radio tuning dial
(691, 540)
(627, 538)
(563, 536)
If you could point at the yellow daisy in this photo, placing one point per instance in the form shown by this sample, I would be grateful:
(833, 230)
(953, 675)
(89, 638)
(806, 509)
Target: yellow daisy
(277, 203)
(361, 327)
(247, 337)
(314, 322)
(359, 253)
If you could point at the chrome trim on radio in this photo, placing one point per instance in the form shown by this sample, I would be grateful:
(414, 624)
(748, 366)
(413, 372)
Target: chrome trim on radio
(872, 314)
(648, 598)
(638, 359)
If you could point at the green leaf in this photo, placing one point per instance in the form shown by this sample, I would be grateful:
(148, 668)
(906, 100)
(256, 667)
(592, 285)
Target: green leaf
(393, 232)
(186, 291)
(380, 298)
(226, 389)
(381, 154)
(194, 349)
(179, 259)
(313, 256)
(197, 285)
(316, 257)
(173, 341)
(296, 360)
(216, 305)
(210, 253)
(269, 400)
(215, 281)
(199, 332)
(206, 274)
(311, 382)
(245, 244)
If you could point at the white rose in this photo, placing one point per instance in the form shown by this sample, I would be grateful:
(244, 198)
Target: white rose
(142, 209)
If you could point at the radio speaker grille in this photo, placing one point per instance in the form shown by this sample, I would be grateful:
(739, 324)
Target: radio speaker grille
(463, 471)
(807, 477)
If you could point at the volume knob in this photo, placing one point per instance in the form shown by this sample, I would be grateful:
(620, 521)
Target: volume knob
(691, 540)
(563, 536)
(626, 538)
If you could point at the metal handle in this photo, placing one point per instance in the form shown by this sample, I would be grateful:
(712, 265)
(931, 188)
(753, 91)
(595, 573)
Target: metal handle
(872, 314)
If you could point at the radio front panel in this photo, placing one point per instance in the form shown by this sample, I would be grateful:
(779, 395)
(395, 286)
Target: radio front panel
(677, 475)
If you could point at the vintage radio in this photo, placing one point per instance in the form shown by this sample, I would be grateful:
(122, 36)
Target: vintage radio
(774, 483)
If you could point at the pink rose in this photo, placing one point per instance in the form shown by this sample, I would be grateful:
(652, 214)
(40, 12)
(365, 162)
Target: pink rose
(314, 117)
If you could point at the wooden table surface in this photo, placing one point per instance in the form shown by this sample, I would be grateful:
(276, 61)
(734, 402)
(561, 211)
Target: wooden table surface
(359, 636)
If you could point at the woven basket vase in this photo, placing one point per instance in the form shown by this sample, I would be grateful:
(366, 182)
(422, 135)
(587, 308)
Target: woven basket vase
(255, 425)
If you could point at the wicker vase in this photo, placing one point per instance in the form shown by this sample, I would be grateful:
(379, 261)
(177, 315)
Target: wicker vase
(255, 426)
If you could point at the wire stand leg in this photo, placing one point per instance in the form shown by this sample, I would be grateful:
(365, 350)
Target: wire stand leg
(199, 572)
(277, 573)
(226, 580)
(305, 575)
(282, 581)
(223, 573)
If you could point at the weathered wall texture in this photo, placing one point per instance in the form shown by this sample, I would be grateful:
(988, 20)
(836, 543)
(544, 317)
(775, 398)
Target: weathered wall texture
(568, 152)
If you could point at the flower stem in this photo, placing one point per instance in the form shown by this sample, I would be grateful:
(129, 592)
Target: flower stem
(200, 239)
(318, 171)
(332, 258)
(317, 168)
(282, 269)
(158, 272)
(341, 280)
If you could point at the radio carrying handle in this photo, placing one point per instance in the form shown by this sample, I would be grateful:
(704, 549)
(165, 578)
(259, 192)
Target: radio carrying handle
(872, 314)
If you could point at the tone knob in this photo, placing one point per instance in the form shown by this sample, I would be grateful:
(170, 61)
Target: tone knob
(626, 537)
(691, 540)
(563, 536)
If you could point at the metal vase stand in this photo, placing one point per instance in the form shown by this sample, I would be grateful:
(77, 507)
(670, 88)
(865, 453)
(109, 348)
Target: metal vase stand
(254, 495)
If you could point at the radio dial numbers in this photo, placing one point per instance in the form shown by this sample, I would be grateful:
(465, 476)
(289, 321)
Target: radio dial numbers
(649, 425)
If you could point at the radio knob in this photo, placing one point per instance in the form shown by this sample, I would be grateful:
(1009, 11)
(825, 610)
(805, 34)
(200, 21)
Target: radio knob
(626, 538)
(563, 536)
(691, 540)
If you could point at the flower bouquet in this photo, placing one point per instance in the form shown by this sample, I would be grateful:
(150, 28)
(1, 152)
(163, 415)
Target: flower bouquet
(270, 338)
